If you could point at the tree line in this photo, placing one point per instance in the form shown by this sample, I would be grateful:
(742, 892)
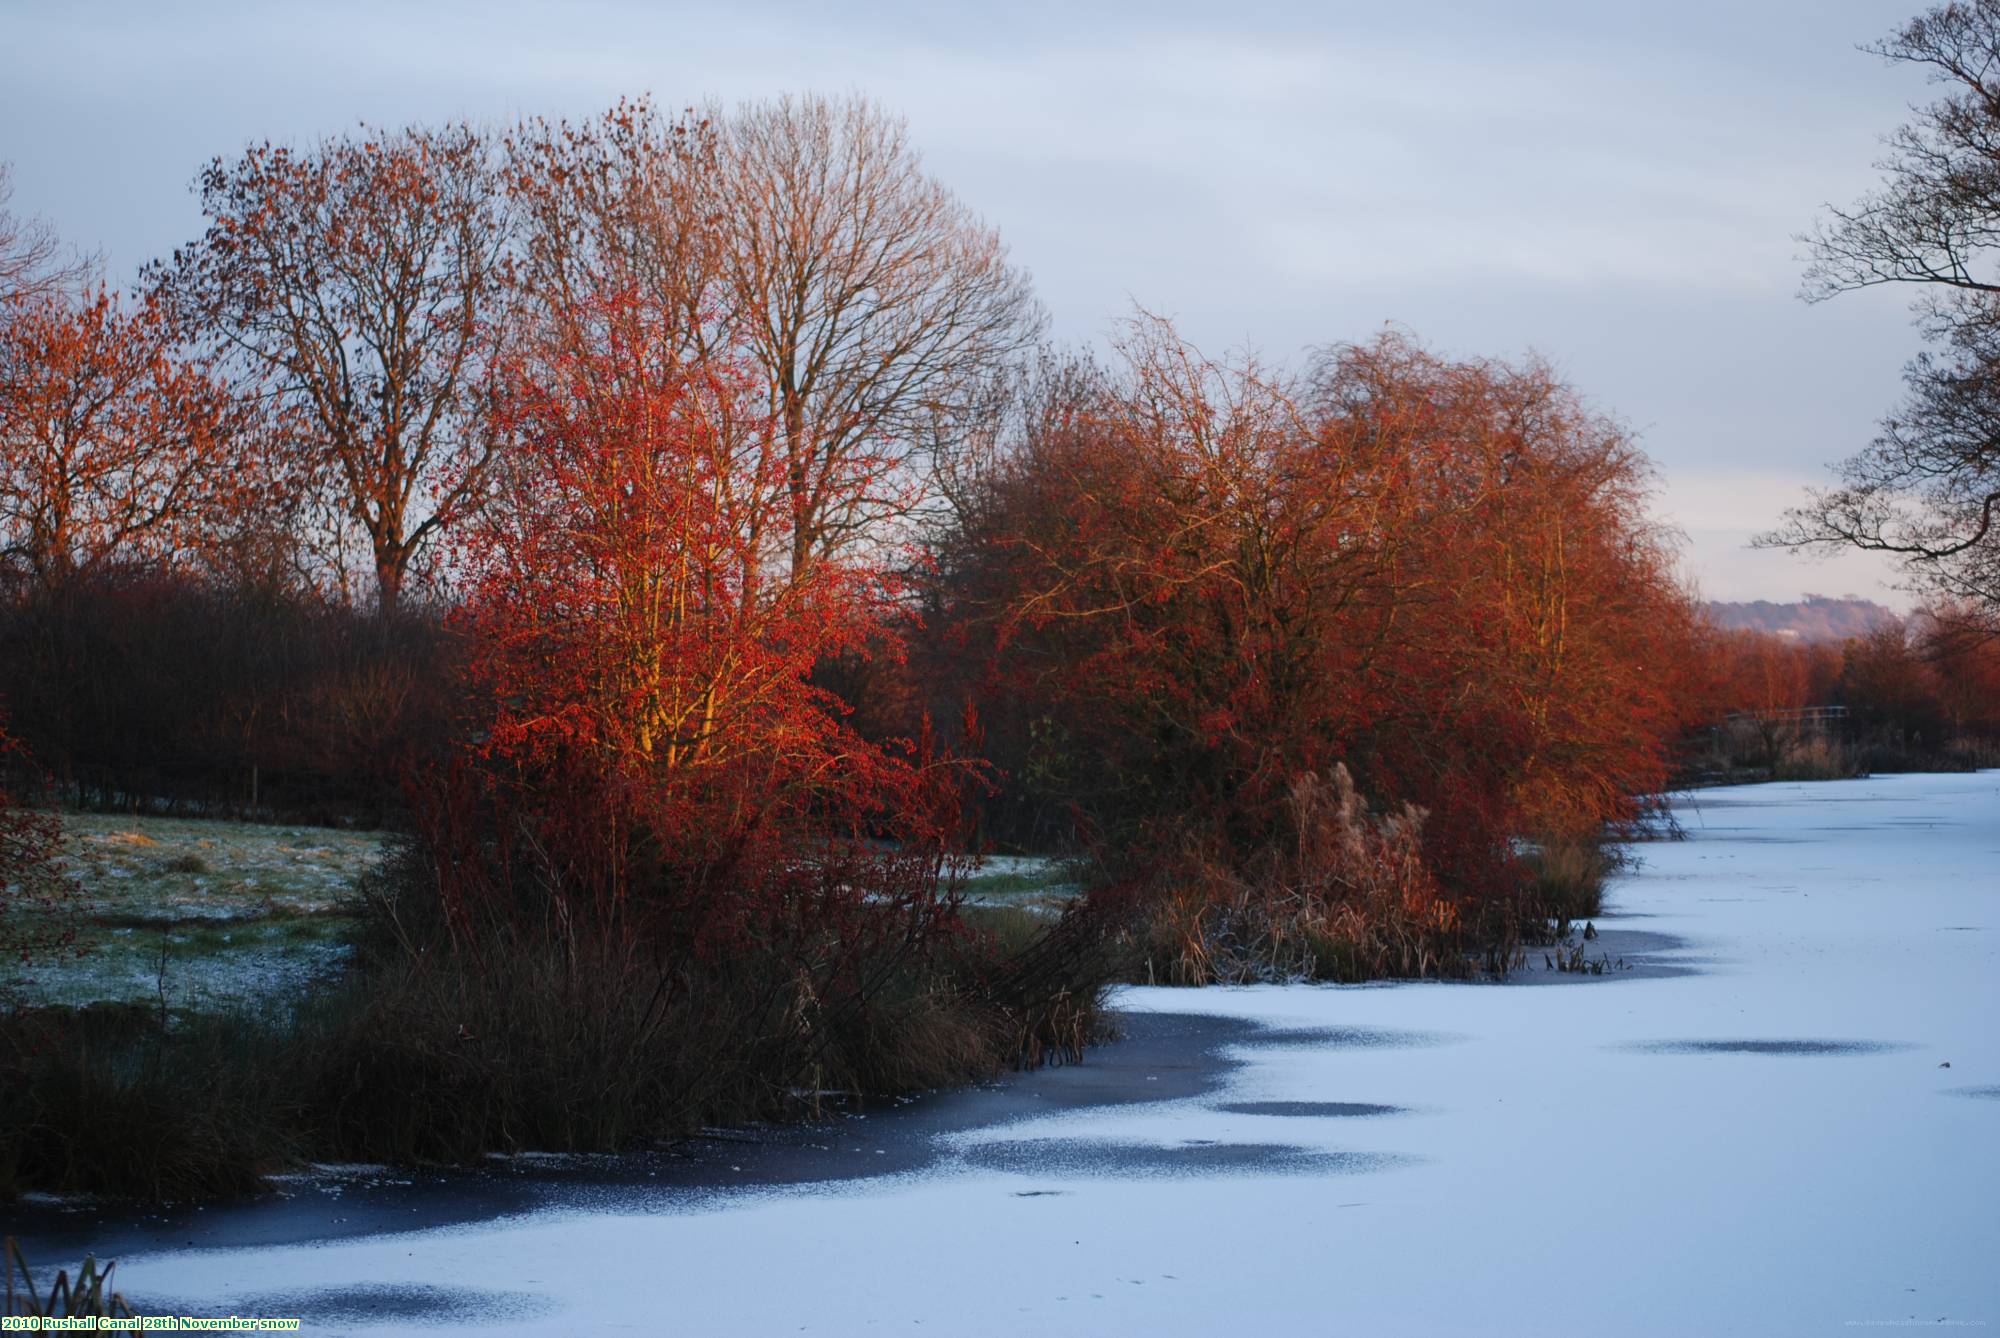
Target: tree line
(633, 504)
(1920, 693)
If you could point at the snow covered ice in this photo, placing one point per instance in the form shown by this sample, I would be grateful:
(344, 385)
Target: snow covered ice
(1751, 1131)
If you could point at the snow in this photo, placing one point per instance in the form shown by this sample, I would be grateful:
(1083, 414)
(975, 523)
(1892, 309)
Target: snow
(1750, 1132)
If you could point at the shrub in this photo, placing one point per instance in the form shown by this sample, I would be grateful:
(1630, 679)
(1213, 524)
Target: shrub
(442, 1048)
(1566, 879)
(150, 691)
(1343, 894)
(1190, 582)
(37, 899)
(112, 1100)
(509, 1040)
(1816, 757)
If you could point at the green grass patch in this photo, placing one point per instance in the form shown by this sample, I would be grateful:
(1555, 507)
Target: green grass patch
(1042, 886)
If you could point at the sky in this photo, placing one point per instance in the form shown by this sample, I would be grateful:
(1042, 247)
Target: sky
(1616, 187)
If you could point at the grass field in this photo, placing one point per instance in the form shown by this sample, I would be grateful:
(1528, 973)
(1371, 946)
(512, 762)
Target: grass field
(186, 911)
(1026, 882)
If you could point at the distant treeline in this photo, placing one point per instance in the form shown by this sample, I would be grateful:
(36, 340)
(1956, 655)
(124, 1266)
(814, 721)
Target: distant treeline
(1813, 618)
(156, 692)
(1912, 694)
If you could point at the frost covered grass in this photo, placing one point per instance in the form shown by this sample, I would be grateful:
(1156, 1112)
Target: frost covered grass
(1751, 1133)
(151, 869)
(1028, 881)
(191, 913)
(185, 965)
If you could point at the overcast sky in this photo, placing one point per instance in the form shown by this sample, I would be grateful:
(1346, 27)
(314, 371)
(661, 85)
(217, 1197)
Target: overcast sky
(1615, 186)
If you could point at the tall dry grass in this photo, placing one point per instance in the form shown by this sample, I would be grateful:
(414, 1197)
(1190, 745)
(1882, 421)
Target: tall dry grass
(1339, 893)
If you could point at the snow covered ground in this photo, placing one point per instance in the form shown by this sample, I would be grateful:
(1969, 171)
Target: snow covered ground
(1753, 1132)
(201, 910)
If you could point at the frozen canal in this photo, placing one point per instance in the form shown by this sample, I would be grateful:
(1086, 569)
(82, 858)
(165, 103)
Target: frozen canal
(1754, 1131)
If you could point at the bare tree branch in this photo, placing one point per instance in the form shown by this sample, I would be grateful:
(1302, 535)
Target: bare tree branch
(1926, 490)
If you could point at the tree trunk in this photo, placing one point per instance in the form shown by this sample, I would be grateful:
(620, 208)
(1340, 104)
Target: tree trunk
(388, 583)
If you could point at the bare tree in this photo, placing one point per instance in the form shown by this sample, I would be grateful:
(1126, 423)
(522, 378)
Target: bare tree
(883, 318)
(357, 284)
(34, 264)
(1927, 489)
(622, 204)
(879, 307)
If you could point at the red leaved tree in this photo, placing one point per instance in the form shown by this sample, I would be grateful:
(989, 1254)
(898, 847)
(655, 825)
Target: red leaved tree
(115, 449)
(1200, 583)
(1544, 660)
(1962, 642)
(653, 735)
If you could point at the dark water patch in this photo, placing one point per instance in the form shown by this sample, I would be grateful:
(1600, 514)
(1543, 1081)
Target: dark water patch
(1769, 1047)
(1201, 1157)
(1342, 1038)
(1158, 1057)
(1312, 1110)
(383, 1303)
(1981, 1093)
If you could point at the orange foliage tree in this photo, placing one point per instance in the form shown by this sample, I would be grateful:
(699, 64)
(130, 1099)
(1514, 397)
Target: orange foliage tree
(1541, 670)
(644, 655)
(804, 237)
(115, 450)
(1759, 678)
(1892, 687)
(1193, 584)
(1961, 641)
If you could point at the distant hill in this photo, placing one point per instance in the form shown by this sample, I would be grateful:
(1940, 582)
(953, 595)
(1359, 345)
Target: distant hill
(1814, 618)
